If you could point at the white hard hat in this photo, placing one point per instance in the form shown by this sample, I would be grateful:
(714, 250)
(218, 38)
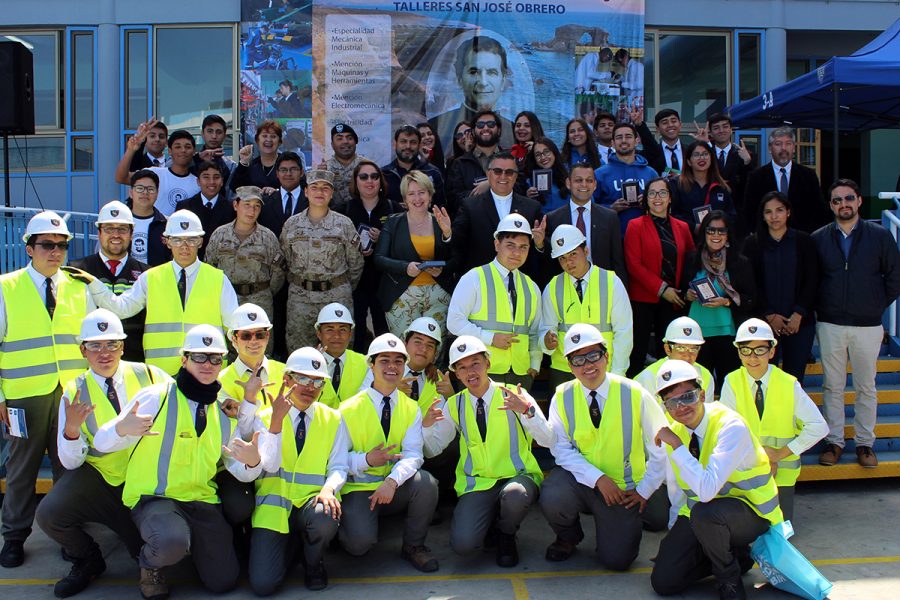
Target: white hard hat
(334, 313)
(386, 342)
(115, 212)
(582, 335)
(183, 223)
(466, 345)
(684, 330)
(675, 371)
(513, 223)
(426, 326)
(249, 316)
(206, 339)
(46, 222)
(101, 324)
(753, 330)
(565, 239)
(307, 361)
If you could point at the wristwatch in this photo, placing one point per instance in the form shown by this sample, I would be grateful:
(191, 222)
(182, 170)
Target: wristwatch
(529, 412)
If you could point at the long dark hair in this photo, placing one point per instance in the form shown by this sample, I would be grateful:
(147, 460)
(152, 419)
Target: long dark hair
(714, 215)
(761, 209)
(437, 156)
(593, 156)
(560, 172)
(686, 180)
(645, 206)
(457, 149)
(537, 130)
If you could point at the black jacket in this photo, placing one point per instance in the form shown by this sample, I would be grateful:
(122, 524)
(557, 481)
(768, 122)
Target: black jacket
(272, 213)
(605, 239)
(808, 208)
(254, 174)
(157, 252)
(743, 280)
(806, 277)
(856, 291)
(222, 213)
(356, 212)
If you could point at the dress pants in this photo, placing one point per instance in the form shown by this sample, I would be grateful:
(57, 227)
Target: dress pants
(649, 318)
(719, 355)
(359, 525)
(714, 540)
(794, 350)
(83, 496)
(238, 497)
(271, 553)
(505, 506)
(786, 501)
(171, 530)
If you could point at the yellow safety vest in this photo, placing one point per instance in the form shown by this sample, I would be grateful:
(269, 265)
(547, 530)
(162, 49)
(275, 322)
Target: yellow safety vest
(300, 477)
(617, 446)
(648, 376)
(176, 464)
(37, 354)
(427, 395)
(755, 486)
(137, 376)
(228, 378)
(167, 323)
(504, 454)
(596, 310)
(364, 426)
(495, 316)
(777, 428)
(353, 371)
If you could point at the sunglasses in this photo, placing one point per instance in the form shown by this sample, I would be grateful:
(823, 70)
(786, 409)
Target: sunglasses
(686, 349)
(461, 134)
(51, 246)
(686, 399)
(305, 381)
(368, 176)
(498, 171)
(185, 241)
(483, 124)
(200, 358)
(110, 346)
(246, 336)
(579, 360)
(840, 200)
(716, 231)
(758, 351)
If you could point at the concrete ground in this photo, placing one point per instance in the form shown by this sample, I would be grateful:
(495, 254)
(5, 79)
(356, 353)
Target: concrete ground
(848, 529)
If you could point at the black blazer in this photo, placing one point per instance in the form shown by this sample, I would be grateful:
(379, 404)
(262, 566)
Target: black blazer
(808, 208)
(653, 150)
(740, 274)
(605, 239)
(221, 214)
(272, 213)
(395, 251)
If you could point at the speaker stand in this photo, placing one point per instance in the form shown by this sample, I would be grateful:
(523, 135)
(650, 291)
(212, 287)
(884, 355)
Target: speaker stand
(6, 169)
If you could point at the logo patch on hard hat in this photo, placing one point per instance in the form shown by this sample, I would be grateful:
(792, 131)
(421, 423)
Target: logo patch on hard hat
(114, 212)
(560, 242)
(431, 327)
(667, 375)
(339, 127)
(392, 343)
(54, 222)
(752, 328)
(316, 364)
(461, 347)
(251, 316)
(688, 330)
(576, 338)
(339, 313)
(518, 224)
(185, 225)
(207, 341)
(102, 326)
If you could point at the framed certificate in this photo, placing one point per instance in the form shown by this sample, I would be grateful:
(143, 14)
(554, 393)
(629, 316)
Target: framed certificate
(365, 240)
(700, 213)
(630, 192)
(704, 289)
(542, 179)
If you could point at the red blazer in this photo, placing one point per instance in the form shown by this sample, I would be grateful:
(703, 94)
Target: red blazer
(643, 256)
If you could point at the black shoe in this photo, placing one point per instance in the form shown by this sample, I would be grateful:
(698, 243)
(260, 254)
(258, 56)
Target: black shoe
(83, 571)
(507, 553)
(560, 550)
(731, 590)
(316, 577)
(13, 554)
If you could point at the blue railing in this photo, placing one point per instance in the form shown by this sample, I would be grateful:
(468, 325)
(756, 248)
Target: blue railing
(890, 218)
(14, 221)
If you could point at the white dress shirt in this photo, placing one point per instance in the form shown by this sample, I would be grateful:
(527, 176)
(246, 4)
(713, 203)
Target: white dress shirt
(503, 204)
(119, 267)
(466, 300)
(605, 153)
(806, 414)
(718, 150)
(777, 170)
(204, 200)
(571, 459)
(329, 362)
(294, 193)
(246, 422)
(573, 213)
(679, 152)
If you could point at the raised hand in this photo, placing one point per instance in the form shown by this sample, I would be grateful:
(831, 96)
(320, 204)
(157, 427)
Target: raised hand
(433, 414)
(245, 153)
(246, 453)
(78, 275)
(443, 385)
(381, 455)
(539, 231)
(443, 220)
(514, 401)
(135, 424)
(744, 153)
(551, 340)
(76, 414)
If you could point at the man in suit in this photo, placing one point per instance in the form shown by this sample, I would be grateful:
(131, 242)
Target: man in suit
(666, 156)
(478, 216)
(735, 162)
(210, 204)
(600, 225)
(801, 184)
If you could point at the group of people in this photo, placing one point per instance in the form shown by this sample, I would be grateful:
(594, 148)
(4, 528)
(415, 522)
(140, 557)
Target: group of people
(478, 274)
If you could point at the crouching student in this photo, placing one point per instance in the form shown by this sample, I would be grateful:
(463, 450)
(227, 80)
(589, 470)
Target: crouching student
(682, 341)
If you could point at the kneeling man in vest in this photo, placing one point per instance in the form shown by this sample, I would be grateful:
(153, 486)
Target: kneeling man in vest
(297, 504)
(497, 476)
(334, 328)
(730, 497)
(501, 306)
(608, 463)
(176, 435)
(91, 490)
(781, 415)
(385, 427)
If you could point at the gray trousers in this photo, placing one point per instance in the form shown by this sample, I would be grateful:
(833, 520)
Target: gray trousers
(83, 496)
(238, 497)
(861, 345)
(25, 456)
(715, 540)
(359, 525)
(271, 553)
(171, 530)
(618, 529)
(505, 506)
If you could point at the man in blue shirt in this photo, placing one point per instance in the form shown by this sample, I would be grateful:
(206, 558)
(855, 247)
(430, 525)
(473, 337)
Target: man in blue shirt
(624, 166)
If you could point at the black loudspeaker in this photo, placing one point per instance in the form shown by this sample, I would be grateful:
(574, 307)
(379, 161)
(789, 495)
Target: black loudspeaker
(17, 89)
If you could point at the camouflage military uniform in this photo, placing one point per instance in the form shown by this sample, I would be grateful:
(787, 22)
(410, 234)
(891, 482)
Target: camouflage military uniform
(342, 176)
(324, 264)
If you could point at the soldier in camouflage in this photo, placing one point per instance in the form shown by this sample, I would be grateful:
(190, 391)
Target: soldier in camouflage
(342, 163)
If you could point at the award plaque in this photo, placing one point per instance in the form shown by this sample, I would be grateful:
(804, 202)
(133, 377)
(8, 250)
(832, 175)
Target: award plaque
(704, 289)
(630, 193)
(542, 179)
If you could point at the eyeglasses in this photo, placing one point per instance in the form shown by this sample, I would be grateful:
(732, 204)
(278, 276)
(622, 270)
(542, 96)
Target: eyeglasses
(461, 134)
(545, 153)
(305, 381)
(289, 170)
(839, 200)
(658, 194)
(716, 231)
(483, 124)
(686, 349)
(686, 399)
(498, 171)
(110, 229)
(593, 356)
(185, 241)
(51, 246)
(758, 351)
(200, 358)
(368, 176)
(697, 155)
(144, 189)
(110, 346)
(246, 336)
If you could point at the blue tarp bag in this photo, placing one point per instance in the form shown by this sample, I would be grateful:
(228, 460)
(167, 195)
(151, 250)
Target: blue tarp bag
(785, 567)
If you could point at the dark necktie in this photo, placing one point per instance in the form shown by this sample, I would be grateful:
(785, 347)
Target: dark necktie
(208, 205)
(675, 164)
(609, 153)
(579, 222)
(694, 446)
(300, 435)
(289, 205)
(157, 162)
(721, 159)
(595, 410)
(111, 394)
(200, 422)
(759, 398)
(386, 416)
(783, 183)
(182, 287)
(113, 265)
(481, 419)
(414, 386)
(336, 375)
(579, 290)
(49, 298)
(513, 297)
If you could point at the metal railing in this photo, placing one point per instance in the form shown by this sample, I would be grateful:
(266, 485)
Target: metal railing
(890, 219)
(12, 227)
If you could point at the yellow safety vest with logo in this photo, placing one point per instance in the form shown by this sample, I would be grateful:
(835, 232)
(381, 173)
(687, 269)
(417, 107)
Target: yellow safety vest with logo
(176, 464)
(755, 486)
(504, 454)
(299, 477)
(111, 465)
(617, 446)
(229, 378)
(495, 316)
(167, 322)
(777, 428)
(38, 353)
(364, 426)
(647, 378)
(427, 395)
(596, 310)
(353, 372)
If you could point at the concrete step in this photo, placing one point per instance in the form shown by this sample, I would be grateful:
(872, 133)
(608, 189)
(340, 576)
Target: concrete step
(884, 365)
(887, 394)
(848, 468)
(887, 426)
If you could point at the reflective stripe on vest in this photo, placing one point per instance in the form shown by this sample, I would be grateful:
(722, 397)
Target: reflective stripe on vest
(570, 310)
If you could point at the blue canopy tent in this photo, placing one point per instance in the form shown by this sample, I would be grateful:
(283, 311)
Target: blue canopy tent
(848, 93)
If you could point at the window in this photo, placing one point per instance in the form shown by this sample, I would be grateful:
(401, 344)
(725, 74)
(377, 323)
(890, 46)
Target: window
(82, 81)
(748, 66)
(136, 60)
(82, 153)
(45, 48)
(41, 152)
